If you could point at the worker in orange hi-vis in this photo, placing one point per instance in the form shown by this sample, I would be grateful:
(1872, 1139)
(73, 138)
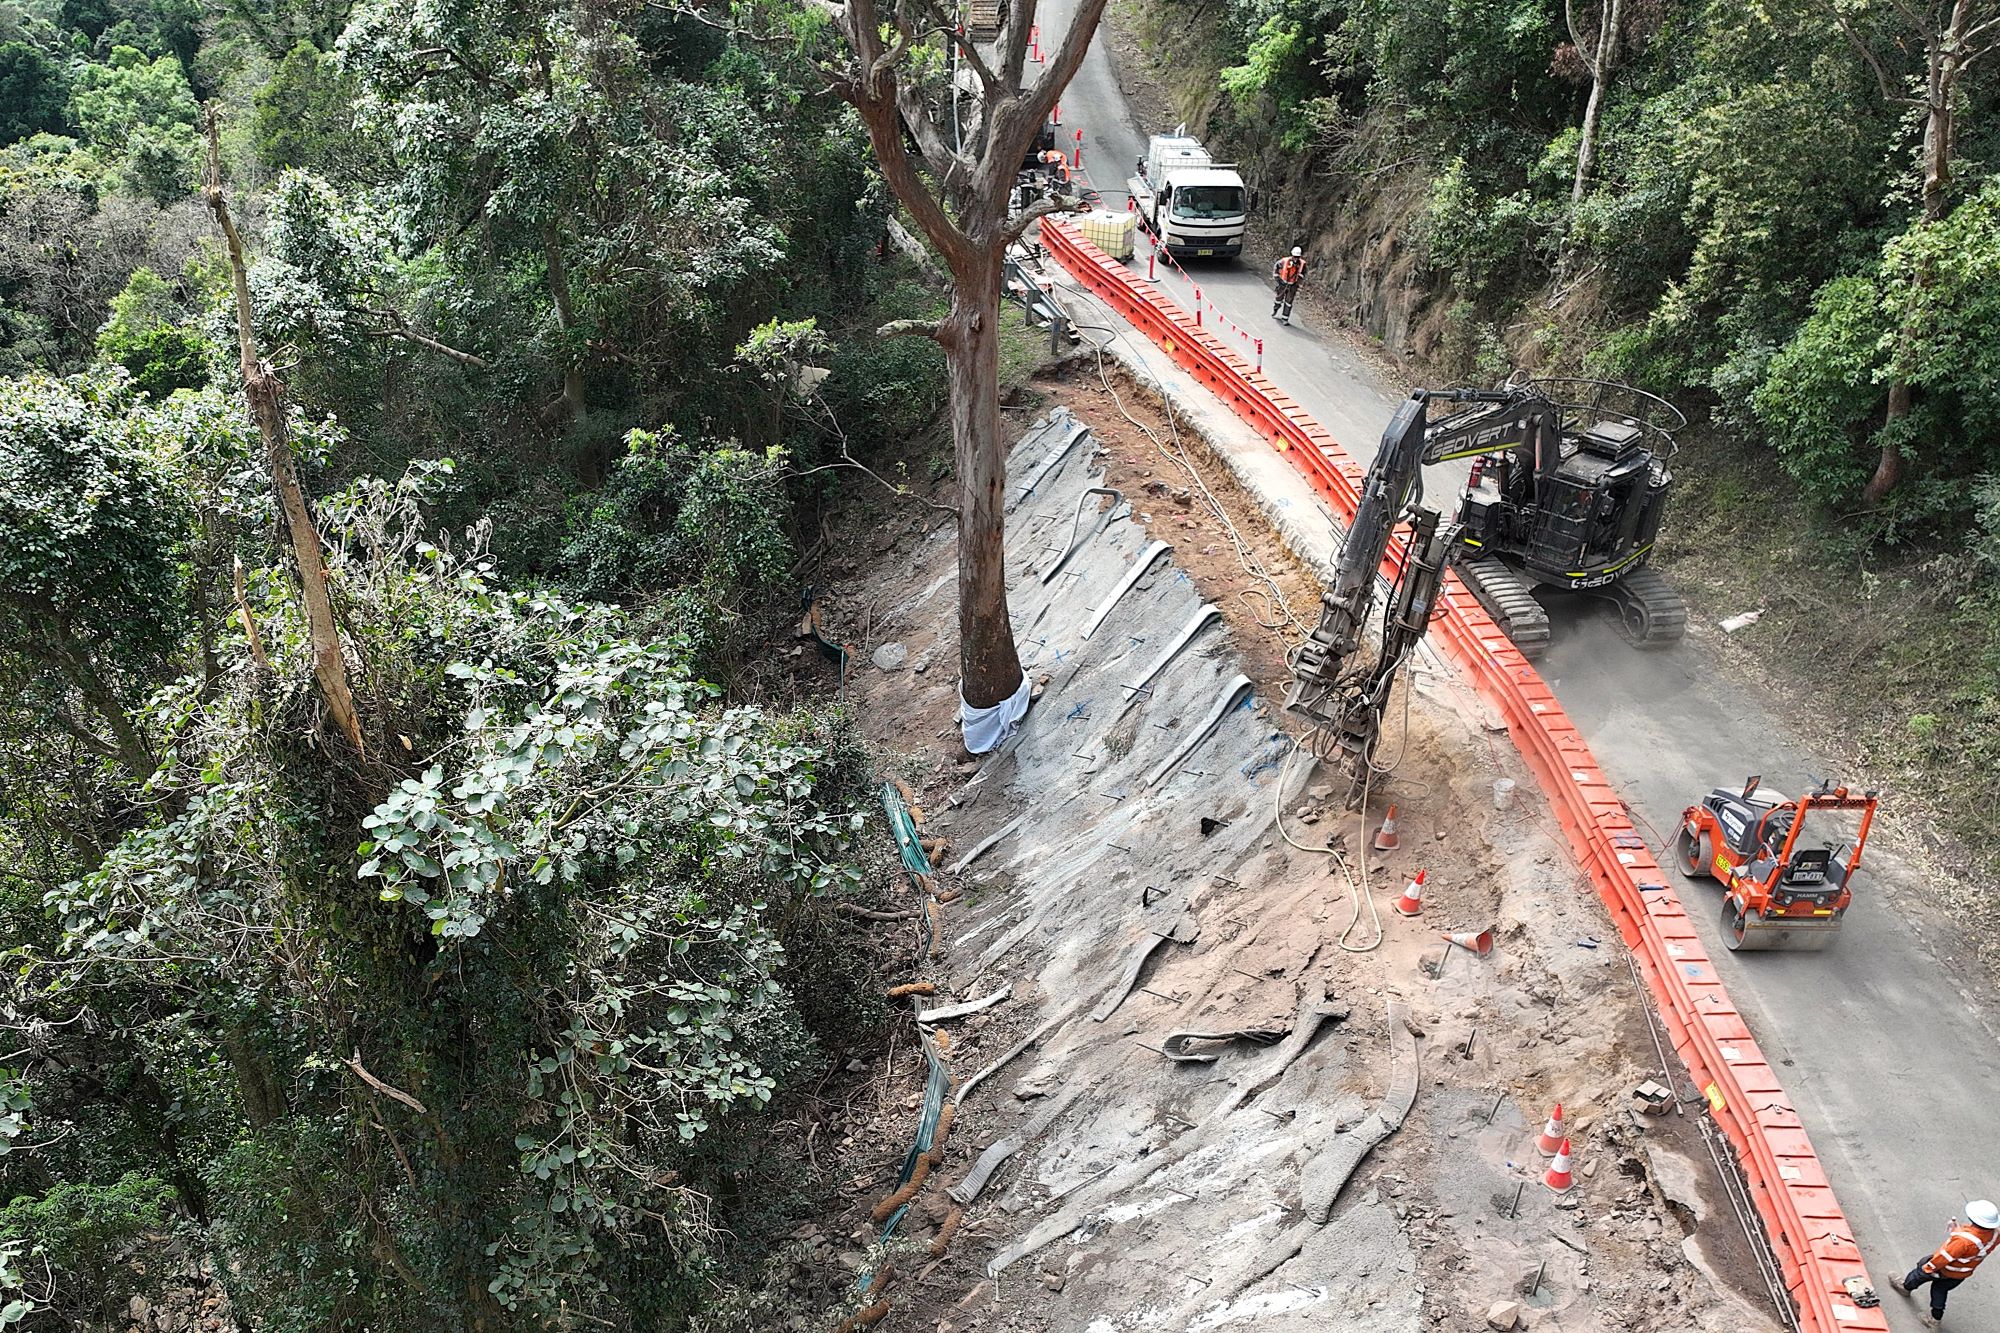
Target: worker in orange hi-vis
(1287, 273)
(1968, 1244)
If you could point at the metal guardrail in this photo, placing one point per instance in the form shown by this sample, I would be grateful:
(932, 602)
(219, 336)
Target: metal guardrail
(1785, 1181)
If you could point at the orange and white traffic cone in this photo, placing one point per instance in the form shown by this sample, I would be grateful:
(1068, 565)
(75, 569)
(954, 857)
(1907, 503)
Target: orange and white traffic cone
(1551, 1136)
(1478, 941)
(1412, 901)
(1558, 1176)
(1385, 837)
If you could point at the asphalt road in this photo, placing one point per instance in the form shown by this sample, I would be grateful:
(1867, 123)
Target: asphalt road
(1887, 1054)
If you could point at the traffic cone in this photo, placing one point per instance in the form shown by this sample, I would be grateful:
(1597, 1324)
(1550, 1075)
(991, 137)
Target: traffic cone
(1558, 1177)
(1552, 1133)
(1412, 901)
(1385, 837)
(1479, 941)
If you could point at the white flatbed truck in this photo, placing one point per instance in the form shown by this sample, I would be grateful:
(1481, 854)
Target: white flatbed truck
(1193, 204)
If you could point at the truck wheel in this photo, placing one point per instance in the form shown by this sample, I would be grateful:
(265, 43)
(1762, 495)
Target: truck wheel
(1694, 853)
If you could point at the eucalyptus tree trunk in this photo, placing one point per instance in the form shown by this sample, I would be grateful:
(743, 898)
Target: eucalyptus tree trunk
(988, 660)
(957, 195)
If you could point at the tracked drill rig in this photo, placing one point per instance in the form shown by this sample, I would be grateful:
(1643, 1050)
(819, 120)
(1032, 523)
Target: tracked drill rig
(1568, 491)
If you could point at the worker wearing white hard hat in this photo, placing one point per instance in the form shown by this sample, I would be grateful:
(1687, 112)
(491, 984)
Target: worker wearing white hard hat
(1958, 1258)
(1287, 273)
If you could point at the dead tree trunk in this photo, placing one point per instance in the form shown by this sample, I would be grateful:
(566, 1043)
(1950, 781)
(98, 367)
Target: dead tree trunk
(267, 409)
(1603, 59)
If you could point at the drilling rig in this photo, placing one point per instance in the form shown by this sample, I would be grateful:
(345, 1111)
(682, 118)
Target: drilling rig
(1567, 490)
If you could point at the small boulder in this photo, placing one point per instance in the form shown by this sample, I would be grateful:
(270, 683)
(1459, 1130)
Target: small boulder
(1504, 1316)
(891, 656)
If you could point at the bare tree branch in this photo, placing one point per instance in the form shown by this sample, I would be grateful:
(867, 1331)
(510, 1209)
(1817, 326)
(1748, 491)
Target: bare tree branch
(867, 914)
(394, 1094)
(952, 170)
(1041, 208)
(849, 462)
(1055, 78)
(1014, 41)
(1883, 82)
(400, 328)
(1912, 17)
(1973, 34)
(250, 633)
(913, 250)
(911, 328)
(882, 114)
(267, 408)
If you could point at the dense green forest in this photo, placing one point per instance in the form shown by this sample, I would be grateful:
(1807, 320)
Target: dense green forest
(1784, 209)
(463, 995)
(1783, 216)
(461, 983)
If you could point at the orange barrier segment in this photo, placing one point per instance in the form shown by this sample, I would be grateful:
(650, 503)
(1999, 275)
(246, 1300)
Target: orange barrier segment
(1809, 1233)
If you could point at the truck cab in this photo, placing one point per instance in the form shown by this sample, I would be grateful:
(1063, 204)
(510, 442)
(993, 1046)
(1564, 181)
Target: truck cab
(1193, 204)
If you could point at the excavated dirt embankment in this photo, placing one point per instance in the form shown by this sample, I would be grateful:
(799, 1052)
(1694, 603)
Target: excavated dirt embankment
(1227, 1086)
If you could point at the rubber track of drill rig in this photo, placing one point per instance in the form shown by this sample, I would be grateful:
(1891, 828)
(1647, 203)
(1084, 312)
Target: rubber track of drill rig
(1650, 612)
(1506, 598)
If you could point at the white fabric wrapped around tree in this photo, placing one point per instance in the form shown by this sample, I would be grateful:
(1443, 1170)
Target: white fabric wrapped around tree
(985, 729)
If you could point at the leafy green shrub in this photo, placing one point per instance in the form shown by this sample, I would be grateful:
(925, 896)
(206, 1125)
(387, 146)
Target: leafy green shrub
(305, 113)
(1471, 350)
(129, 92)
(86, 1233)
(1481, 241)
(1928, 315)
(143, 336)
(887, 390)
(1821, 387)
(1984, 539)
(674, 514)
(1276, 76)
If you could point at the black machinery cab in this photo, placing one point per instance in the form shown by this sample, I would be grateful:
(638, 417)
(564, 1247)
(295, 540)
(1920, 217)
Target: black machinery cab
(1598, 510)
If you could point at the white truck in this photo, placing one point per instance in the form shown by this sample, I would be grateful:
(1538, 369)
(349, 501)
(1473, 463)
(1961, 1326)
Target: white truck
(1191, 202)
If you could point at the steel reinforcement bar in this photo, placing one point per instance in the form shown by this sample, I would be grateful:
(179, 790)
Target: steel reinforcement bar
(1811, 1236)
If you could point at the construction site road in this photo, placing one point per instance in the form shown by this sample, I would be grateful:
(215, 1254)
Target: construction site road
(1886, 1047)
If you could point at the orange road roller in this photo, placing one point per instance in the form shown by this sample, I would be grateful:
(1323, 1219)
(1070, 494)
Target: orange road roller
(1787, 866)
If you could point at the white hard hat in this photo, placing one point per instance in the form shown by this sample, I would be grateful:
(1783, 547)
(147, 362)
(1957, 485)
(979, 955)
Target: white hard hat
(1296, 252)
(1982, 1213)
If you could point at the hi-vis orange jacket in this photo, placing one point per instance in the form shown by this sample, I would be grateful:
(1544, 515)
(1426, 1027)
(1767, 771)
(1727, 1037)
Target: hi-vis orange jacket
(1962, 1251)
(1289, 269)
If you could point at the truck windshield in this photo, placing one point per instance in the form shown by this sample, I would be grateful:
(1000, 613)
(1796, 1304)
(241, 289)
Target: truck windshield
(1208, 201)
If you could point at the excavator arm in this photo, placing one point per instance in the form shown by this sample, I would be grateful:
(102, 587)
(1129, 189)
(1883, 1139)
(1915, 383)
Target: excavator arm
(1346, 696)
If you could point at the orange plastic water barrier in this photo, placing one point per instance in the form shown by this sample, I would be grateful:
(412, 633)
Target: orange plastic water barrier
(1811, 1236)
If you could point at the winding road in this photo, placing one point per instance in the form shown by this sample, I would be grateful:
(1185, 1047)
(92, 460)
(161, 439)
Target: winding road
(1882, 1043)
